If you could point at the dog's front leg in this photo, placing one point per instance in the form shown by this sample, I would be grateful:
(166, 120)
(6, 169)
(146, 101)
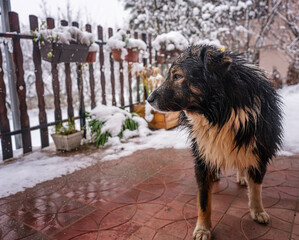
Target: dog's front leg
(204, 178)
(257, 211)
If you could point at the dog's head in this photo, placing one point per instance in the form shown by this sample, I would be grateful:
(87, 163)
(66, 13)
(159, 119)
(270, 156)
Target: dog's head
(192, 81)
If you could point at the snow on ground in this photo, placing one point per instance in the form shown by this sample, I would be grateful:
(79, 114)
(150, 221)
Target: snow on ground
(38, 167)
(41, 166)
(290, 95)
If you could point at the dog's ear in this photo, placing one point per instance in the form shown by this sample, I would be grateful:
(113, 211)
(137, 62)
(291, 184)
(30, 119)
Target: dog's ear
(216, 61)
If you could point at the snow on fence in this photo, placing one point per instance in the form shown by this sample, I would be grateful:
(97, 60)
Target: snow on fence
(25, 131)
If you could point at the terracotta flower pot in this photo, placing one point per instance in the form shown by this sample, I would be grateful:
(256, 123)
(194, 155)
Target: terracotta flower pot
(167, 56)
(161, 120)
(132, 55)
(91, 57)
(60, 52)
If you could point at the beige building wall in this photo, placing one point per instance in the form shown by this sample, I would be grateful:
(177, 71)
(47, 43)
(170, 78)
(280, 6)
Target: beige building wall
(273, 58)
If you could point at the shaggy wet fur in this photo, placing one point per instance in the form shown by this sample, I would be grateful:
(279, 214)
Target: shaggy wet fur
(234, 118)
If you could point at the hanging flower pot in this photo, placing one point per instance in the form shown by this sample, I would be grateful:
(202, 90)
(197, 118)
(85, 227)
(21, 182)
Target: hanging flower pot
(116, 54)
(132, 55)
(61, 52)
(63, 44)
(125, 48)
(91, 57)
(92, 53)
(167, 56)
(160, 59)
(168, 46)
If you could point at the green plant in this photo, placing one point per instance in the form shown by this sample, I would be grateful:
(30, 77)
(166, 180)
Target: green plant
(100, 138)
(67, 128)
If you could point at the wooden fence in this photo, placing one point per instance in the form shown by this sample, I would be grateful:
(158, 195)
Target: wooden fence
(25, 131)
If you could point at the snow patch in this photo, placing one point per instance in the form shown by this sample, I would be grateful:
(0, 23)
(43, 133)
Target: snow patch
(172, 40)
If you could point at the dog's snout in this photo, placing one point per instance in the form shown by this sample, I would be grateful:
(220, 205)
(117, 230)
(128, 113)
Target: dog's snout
(151, 97)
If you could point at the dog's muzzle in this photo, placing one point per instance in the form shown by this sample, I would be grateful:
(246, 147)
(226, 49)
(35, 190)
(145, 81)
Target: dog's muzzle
(152, 99)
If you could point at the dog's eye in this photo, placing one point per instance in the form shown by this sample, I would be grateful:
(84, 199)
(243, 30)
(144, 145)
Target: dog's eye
(177, 77)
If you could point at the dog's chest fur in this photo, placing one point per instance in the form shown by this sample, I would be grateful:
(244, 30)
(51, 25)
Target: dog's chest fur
(216, 147)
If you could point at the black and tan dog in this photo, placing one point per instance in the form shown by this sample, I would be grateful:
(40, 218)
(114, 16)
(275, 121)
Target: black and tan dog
(234, 118)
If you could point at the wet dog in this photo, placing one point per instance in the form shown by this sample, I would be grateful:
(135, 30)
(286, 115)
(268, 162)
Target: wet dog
(234, 119)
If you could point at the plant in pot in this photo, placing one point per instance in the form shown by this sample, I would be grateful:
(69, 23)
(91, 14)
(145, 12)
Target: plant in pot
(63, 44)
(123, 47)
(66, 137)
(92, 53)
(151, 79)
(109, 125)
(169, 45)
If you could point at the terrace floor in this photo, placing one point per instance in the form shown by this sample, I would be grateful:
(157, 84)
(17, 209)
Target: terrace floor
(149, 195)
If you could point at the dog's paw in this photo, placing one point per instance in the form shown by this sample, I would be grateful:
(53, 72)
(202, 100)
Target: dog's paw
(216, 176)
(201, 233)
(242, 181)
(260, 217)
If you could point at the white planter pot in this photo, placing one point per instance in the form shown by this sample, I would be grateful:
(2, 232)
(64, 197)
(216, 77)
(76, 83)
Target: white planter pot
(67, 142)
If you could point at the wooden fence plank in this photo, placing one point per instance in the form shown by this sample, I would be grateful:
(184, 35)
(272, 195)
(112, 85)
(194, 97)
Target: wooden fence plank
(68, 82)
(150, 48)
(130, 86)
(110, 34)
(4, 123)
(101, 60)
(68, 87)
(143, 37)
(130, 82)
(91, 75)
(138, 77)
(80, 91)
(20, 84)
(55, 80)
(121, 81)
(39, 85)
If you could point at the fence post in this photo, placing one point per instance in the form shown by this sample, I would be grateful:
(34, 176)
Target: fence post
(110, 34)
(138, 77)
(91, 75)
(150, 48)
(121, 81)
(143, 36)
(80, 88)
(55, 80)
(4, 123)
(130, 83)
(39, 85)
(11, 75)
(20, 84)
(68, 82)
(101, 60)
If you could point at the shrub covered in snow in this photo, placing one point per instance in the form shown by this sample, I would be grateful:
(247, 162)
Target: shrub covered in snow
(170, 42)
(109, 124)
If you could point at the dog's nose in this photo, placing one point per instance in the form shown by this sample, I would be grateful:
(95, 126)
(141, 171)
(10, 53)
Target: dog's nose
(151, 97)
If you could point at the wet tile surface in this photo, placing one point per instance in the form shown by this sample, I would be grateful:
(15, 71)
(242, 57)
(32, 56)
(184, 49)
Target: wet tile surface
(149, 195)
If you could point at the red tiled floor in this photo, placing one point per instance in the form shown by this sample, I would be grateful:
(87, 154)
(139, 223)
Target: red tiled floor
(149, 195)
